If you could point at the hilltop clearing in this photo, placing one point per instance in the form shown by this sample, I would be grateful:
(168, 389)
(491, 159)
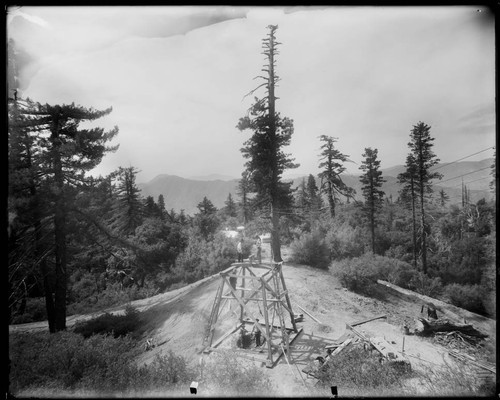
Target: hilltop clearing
(177, 320)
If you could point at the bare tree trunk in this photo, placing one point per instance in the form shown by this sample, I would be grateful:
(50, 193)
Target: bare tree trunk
(60, 234)
(275, 230)
(414, 218)
(331, 200)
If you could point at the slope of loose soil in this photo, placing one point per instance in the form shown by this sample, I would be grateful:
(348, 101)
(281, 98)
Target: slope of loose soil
(177, 321)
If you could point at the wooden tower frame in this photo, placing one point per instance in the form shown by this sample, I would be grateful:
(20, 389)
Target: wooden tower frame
(265, 285)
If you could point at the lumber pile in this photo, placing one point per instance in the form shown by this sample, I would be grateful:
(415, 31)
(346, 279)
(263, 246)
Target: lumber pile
(429, 328)
(389, 352)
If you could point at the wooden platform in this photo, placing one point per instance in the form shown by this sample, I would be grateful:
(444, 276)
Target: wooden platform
(258, 354)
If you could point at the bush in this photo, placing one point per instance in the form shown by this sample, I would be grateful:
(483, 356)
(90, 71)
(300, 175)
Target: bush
(469, 297)
(113, 295)
(100, 364)
(356, 368)
(202, 258)
(62, 359)
(226, 375)
(357, 274)
(118, 325)
(345, 241)
(425, 285)
(311, 249)
(35, 311)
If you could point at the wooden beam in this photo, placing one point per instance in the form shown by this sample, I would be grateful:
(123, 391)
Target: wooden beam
(317, 320)
(356, 332)
(368, 320)
(266, 317)
(287, 298)
(255, 278)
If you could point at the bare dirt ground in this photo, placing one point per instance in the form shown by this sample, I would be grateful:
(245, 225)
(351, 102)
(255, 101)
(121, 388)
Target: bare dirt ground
(177, 320)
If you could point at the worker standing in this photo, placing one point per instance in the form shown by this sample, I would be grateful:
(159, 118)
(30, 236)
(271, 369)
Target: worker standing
(258, 243)
(257, 333)
(239, 249)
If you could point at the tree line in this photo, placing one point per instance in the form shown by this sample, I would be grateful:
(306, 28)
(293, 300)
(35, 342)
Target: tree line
(73, 238)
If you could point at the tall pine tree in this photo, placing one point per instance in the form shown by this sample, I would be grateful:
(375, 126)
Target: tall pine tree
(264, 150)
(55, 157)
(332, 166)
(418, 173)
(371, 180)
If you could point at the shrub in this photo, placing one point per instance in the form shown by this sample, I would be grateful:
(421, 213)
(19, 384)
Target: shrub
(113, 295)
(357, 274)
(100, 364)
(227, 375)
(202, 258)
(425, 285)
(61, 360)
(35, 311)
(311, 249)
(469, 297)
(345, 241)
(118, 325)
(356, 368)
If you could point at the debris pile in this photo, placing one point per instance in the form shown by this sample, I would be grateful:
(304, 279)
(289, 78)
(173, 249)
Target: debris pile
(457, 340)
(429, 328)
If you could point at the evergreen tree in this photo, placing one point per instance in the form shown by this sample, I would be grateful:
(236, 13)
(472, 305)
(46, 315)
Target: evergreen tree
(408, 195)
(230, 206)
(372, 180)
(55, 157)
(302, 198)
(443, 198)
(264, 150)
(206, 220)
(332, 166)
(128, 209)
(151, 209)
(493, 173)
(419, 172)
(244, 189)
(161, 206)
(316, 203)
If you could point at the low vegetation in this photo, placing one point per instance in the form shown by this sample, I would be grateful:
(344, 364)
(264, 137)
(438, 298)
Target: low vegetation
(94, 359)
(227, 375)
(110, 324)
(362, 371)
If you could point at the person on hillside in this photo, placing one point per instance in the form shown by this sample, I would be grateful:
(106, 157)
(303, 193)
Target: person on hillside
(239, 249)
(258, 244)
(257, 333)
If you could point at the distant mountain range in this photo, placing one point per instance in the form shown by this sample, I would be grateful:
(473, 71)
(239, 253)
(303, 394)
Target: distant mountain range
(181, 193)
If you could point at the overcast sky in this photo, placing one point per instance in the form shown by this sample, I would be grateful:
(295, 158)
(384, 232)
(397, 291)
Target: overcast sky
(176, 78)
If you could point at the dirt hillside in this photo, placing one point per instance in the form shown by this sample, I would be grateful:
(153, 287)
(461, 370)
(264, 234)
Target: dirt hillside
(176, 321)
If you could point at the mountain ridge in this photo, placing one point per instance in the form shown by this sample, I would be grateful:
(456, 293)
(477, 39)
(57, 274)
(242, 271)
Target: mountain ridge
(186, 193)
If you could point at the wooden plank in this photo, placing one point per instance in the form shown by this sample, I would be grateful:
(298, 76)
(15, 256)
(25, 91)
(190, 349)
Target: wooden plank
(317, 320)
(386, 349)
(339, 349)
(243, 276)
(356, 332)
(295, 335)
(368, 320)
